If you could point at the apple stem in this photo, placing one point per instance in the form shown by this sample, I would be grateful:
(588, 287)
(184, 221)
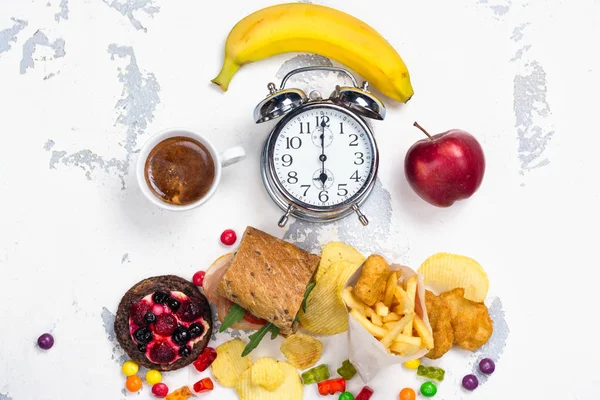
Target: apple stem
(423, 130)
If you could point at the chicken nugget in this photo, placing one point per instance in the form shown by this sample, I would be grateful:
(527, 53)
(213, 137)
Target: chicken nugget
(440, 319)
(373, 277)
(471, 321)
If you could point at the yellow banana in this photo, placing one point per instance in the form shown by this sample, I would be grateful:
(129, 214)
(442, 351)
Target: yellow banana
(311, 28)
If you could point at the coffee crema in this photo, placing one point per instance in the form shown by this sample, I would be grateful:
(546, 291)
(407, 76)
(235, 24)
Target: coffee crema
(180, 170)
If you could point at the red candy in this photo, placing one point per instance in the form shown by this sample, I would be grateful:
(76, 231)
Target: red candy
(204, 385)
(365, 394)
(160, 390)
(332, 386)
(228, 237)
(198, 278)
(205, 358)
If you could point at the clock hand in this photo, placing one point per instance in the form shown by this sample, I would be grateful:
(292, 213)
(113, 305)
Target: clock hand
(323, 157)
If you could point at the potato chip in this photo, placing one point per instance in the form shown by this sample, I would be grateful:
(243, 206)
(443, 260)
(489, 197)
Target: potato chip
(444, 272)
(229, 365)
(325, 311)
(267, 373)
(335, 252)
(290, 389)
(302, 351)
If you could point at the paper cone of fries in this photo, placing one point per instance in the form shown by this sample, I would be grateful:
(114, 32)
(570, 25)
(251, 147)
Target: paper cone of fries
(381, 335)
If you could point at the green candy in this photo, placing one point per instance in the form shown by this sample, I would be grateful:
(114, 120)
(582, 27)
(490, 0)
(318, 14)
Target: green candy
(316, 374)
(347, 370)
(431, 372)
(428, 389)
(346, 396)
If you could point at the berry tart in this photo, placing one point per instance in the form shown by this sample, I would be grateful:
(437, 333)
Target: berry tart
(163, 322)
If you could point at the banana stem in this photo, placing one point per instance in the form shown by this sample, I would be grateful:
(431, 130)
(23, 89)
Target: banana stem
(227, 72)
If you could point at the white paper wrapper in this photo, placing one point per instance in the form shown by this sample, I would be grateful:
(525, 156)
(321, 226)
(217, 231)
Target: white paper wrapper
(365, 352)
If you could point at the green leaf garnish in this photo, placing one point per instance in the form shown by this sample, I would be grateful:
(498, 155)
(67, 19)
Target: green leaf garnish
(236, 313)
(257, 336)
(309, 288)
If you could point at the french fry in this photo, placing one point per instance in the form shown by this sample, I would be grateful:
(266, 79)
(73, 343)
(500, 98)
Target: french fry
(404, 304)
(391, 317)
(376, 320)
(403, 349)
(390, 325)
(381, 309)
(368, 311)
(374, 330)
(397, 329)
(411, 291)
(423, 332)
(412, 340)
(392, 282)
(352, 302)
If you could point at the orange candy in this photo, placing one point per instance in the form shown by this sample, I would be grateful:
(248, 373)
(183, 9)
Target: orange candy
(134, 383)
(407, 394)
(180, 394)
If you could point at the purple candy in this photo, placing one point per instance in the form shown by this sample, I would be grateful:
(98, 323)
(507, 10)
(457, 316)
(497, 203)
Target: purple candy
(470, 382)
(487, 366)
(46, 341)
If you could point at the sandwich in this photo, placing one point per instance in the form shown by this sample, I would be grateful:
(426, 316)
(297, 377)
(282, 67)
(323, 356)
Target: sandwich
(263, 284)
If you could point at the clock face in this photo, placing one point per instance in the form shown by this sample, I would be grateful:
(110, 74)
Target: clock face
(323, 156)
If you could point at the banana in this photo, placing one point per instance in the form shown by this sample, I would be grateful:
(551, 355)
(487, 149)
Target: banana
(311, 28)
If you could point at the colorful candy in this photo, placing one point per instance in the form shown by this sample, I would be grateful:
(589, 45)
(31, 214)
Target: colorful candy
(130, 368)
(412, 364)
(316, 374)
(228, 237)
(346, 396)
(133, 383)
(347, 370)
(183, 393)
(204, 385)
(428, 389)
(332, 386)
(407, 394)
(198, 278)
(160, 390)
(205, 358)
(470, 382)
(431, 372)
(487, 366)
(365, 394)
(153, 377)
(45, 341)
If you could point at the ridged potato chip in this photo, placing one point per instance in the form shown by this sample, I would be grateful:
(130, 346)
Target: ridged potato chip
(267, 373)
(325, 311)
(302, 351)
(229, 365)
(335, 252)
(290, 389)
(445, 271)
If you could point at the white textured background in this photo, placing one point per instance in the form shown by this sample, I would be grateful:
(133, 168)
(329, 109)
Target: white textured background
(84, 82)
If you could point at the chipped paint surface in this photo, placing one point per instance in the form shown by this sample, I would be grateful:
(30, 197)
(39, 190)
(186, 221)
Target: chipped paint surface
(9, 35)
(135, 109)
(39, 39)
(132, 9)
(63, 13)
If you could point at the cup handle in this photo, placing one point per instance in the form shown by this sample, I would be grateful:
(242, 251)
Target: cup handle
(232, 155)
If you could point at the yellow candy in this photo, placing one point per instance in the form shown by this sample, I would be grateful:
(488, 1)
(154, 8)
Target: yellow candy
(130, 368)
(413, 364)
(153, 377)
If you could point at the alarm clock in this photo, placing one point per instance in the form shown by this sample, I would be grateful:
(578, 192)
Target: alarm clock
(320, 161)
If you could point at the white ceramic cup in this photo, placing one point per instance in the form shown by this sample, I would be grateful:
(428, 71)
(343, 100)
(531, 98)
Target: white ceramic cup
(224, 159)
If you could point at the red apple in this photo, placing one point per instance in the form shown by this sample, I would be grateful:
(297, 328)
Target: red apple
(446, 167)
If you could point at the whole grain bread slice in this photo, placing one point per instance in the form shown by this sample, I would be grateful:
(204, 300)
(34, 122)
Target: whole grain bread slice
(268, 277)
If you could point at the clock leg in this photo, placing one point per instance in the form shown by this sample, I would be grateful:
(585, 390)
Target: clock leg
(361, 217)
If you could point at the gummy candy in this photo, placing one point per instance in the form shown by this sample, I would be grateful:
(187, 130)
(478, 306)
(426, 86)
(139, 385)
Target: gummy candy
(347, 370)
(316, 374)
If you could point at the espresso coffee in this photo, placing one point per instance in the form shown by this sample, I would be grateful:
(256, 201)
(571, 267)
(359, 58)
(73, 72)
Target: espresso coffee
(180, 170)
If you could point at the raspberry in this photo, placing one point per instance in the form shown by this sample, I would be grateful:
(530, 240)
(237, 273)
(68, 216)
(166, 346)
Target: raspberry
(162, 353)
(165, 324)
(189, 311)
(138, 312)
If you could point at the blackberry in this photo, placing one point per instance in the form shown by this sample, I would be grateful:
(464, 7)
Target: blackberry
(185, 351)
(196, 330)
(143, 335)
(160, 297)
(173, 304)
(181, 335)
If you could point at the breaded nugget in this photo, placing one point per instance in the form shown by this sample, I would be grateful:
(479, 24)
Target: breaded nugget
(471, 321)
(440, 319)
(373, 277)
